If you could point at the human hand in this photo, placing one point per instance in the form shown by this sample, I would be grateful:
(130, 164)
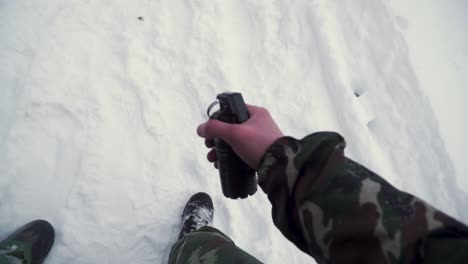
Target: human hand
(249, 140)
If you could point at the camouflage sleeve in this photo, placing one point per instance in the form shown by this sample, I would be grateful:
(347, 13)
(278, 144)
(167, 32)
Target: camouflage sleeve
(337, 211)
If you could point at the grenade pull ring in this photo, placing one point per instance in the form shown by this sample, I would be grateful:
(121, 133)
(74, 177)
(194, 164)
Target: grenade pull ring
(211, 107)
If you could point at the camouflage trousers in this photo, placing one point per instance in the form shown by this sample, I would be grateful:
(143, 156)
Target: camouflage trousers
(14, 252)
(208, 245)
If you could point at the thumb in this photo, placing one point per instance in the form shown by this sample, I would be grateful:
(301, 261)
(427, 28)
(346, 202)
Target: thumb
(214, 128)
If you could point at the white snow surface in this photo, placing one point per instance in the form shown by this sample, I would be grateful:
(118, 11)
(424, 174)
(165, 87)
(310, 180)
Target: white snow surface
(98, 113)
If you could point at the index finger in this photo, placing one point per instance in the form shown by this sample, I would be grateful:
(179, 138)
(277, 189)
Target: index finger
(201, 130)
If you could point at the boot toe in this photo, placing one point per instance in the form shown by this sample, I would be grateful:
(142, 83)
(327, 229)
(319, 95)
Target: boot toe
(39, 235)
(201, 197)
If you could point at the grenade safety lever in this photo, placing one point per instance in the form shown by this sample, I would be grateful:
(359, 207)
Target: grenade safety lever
(238, 180)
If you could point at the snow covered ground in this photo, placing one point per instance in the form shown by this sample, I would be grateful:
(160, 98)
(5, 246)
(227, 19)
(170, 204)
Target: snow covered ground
(438, 43)
(98, 112)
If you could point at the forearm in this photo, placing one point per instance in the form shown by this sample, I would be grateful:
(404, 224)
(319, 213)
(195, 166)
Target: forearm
(338, 211)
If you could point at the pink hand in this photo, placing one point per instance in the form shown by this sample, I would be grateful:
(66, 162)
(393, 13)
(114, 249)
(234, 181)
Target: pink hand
(249, 140)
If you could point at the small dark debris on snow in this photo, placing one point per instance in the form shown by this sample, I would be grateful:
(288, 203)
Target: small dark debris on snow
(358, 90)
(140, 18)
(371, 124)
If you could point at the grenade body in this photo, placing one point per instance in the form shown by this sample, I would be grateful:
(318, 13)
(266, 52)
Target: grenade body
(238, 180)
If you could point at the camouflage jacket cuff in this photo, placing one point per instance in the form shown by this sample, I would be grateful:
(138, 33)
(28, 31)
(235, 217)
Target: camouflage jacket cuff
(282, 167)
(274, 155)
(292, 154)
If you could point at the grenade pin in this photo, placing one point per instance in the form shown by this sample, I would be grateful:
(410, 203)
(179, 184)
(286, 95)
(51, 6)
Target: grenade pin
(210, 107)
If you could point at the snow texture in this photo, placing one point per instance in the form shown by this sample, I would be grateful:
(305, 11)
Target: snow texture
(98, 112)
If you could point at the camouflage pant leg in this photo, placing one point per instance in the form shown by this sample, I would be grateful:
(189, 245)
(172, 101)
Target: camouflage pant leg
(14, 252)
(208, 245)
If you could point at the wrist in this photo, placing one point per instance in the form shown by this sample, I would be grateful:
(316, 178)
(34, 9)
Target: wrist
(263, 148)
(274, 154)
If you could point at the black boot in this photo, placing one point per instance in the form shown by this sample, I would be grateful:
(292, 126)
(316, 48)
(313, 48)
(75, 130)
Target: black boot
(198, 212)
(38, 235)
